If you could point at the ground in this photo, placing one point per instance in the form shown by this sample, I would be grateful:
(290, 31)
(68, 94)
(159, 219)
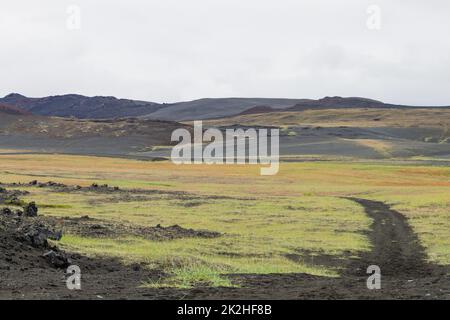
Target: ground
(309, 232)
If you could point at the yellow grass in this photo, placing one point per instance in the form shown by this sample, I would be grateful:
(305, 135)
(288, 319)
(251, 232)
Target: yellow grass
(263, 219)
(356, 117)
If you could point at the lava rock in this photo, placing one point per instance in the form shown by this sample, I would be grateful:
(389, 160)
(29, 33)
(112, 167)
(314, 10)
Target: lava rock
(37, 235)
(31, 210)
(57, 259)
(6, 211)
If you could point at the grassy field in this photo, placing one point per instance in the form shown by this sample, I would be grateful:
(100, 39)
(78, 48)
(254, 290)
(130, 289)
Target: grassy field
(263, 219)
(355, 117)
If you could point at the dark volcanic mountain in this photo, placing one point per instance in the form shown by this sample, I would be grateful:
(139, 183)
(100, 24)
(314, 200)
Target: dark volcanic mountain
(331, 103)
(340, 102)
(82, 107)
(4, 109)
(333, 127)
(211, 108)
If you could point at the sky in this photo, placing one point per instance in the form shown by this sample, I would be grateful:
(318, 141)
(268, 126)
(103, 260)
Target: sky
(168, 51)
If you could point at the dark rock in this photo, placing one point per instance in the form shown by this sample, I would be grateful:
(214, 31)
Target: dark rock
(31, 210)
(37, 235)
(136, 267)
(6, 211)
(57, 259)
(14, 201)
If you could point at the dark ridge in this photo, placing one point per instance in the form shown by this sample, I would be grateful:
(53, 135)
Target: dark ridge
(258, 109)
(4, 109)
(351, 102)
(82, 107)
(107, 107)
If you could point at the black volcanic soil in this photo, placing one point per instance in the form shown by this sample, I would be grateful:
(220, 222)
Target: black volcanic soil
(96, 228)
(406, 274)
(27, 274)
(396, 248)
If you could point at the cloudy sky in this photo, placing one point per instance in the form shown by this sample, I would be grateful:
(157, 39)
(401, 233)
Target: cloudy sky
(173, 50)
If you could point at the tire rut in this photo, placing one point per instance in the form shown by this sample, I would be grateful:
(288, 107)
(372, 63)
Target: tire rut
(396, 248)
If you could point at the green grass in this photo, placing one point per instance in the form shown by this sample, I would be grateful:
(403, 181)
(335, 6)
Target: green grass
(263, 220)
(257, 236)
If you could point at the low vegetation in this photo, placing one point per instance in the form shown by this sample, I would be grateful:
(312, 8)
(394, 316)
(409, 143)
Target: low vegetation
(262, 220)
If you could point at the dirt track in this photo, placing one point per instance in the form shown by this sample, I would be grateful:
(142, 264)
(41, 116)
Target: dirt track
(405, 273)
(395, 249)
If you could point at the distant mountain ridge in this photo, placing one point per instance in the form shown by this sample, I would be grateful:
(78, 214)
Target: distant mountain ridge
(82, 107)
(210, 108)
(100, 107)
(4, 109)
(340, 102)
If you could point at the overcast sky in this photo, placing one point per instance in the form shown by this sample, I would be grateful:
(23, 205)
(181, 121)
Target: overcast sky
(167, 50)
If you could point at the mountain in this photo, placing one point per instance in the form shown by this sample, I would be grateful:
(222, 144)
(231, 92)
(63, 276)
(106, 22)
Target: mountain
(4, 109)
(216, 108)
(331, 127)
(82, 107)
(352, 102)
(331, 103)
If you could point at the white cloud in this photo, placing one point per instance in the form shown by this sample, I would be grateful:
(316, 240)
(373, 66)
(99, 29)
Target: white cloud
(167, 50)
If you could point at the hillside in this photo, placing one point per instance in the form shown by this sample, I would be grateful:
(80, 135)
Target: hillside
(4, 109)
(216, 108)
(327, 128)
(354, 117)
(124, 137)
(361, 133)
(82, 107)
